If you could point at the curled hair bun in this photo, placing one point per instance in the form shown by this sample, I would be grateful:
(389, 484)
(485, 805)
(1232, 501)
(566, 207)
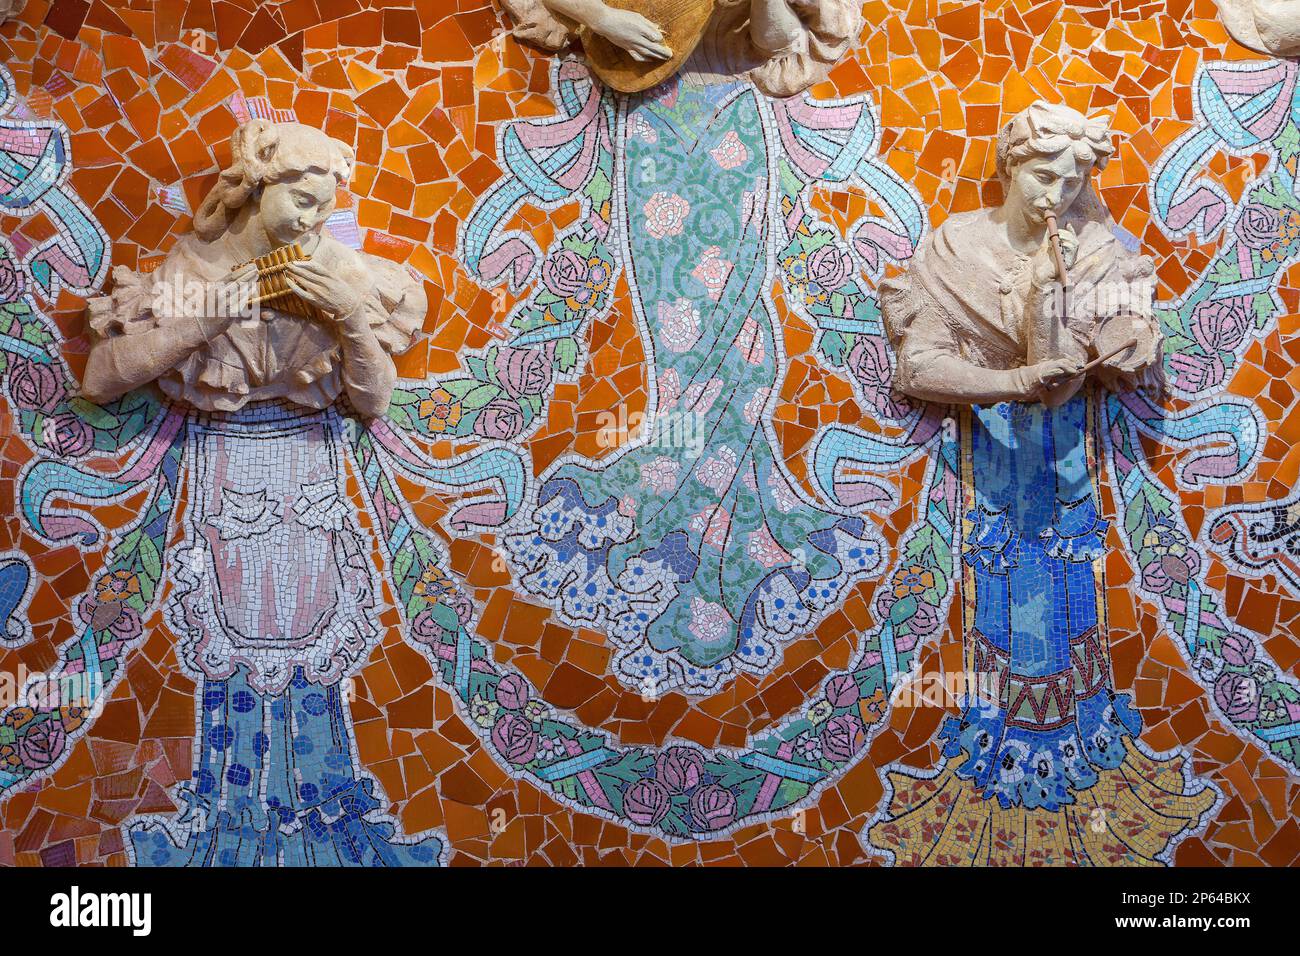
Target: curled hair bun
(1045, 129)
(263, 152)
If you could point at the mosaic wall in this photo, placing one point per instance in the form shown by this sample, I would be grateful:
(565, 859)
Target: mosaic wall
(582, 640)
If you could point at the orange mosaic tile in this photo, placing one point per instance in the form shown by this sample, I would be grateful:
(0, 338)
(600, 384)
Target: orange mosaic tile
(426, 93)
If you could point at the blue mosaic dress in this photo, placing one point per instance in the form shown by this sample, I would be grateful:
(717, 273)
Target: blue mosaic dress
(1044, 764)
(693, 547)
(276, 784)
(274, 606)
(1048, 720)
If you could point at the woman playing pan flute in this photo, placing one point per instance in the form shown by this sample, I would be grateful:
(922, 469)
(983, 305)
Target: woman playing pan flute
(275, 597)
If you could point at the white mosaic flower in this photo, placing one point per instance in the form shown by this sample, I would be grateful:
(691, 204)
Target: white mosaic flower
(710, 621)
(660, 474)
(718, 470)
(679, 325)
(665, 214)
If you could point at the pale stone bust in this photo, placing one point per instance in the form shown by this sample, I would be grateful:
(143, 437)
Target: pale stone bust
(194, 326)
(783, 47)
(1269, 26)
(979, 316)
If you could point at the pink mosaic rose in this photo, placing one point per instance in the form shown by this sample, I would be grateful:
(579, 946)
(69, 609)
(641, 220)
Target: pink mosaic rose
(841, 691)
(1238, 649)
(425, 630)
(679, 768)
(565, 273)
(712, 271)
(660, 474)
(1237, 696)
(868, 363)
(11, 282)
(730, 152)
(829, 267)
(647, 802)
(515, 738)
(68, 435)
(512, 692)
(665, 214)
(501, 418)
(35, 386)
(523, 371)
(763, 548)
(1259, 226)
(1172, 562)
(842, 737)
(127, 626)
(924, 620)
(713, 807)
(42, 745)
(1220, 325)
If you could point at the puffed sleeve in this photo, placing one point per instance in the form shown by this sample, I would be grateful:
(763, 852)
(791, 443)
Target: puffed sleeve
(829, 27)
(398, 308)
(534, 23)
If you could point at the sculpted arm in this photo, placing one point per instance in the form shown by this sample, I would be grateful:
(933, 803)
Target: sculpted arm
(930, 367)
(624, 28)
(120, 362)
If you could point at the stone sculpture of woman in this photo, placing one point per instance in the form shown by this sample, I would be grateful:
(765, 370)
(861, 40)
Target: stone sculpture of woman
(275, 599)
(1045, 744)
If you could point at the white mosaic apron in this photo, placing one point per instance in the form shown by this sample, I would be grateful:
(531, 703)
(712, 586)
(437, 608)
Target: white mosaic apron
(273, 573)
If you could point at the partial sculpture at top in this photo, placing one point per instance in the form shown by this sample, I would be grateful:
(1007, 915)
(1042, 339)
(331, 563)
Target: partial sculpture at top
(1269, 26)
(329, 318)
(982, 315)
(782, 47)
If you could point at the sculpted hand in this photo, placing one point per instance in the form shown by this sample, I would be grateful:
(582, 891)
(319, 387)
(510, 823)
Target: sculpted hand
(241, 290)
(1051, 374)
(324, 289)
(1045, 259)
(632, 32)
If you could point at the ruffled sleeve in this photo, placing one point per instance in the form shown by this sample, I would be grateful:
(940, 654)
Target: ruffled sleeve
(125, 310)
(829, 27)
(398, 306)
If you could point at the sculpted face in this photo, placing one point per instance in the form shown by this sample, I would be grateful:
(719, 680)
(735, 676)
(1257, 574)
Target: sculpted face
(295, 207)
(1043, 184)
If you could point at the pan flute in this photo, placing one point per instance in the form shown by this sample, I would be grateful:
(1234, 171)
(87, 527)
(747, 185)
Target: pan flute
(273, 289)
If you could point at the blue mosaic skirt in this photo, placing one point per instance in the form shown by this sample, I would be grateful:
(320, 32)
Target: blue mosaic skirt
(1045, 718)
(276, 784)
